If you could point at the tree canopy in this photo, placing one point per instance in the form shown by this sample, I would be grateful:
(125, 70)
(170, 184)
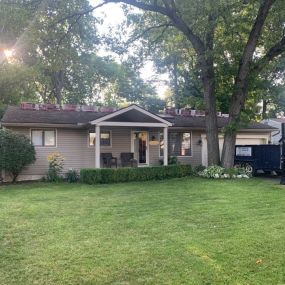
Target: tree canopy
(55, 57)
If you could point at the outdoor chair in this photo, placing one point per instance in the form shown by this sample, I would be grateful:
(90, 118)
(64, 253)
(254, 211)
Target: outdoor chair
(108, 160)
(127, 159)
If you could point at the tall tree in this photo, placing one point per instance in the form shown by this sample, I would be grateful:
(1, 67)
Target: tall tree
(55, 57)
(199, 22)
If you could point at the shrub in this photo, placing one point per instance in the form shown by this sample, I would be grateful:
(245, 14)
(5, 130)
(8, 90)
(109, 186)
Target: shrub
(215, 171)
(172, 160)
(199, 168)
(72, 176)
(16, 152)
(56, 162)
(108, 175)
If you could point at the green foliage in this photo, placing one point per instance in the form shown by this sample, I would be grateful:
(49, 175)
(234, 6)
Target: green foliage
(95, 176)
(72, 176)
(172, 160)
(171, 51)
(16, 152)
(2, 110)
(217, 172)
(56, 162)
(55, 58)
(199, 168)
(17, 83)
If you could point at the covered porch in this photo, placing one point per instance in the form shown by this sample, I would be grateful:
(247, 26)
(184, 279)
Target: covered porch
(131, 130)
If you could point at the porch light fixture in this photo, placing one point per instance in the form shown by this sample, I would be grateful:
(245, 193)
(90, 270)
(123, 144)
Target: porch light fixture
(199, 142)
(153, 140)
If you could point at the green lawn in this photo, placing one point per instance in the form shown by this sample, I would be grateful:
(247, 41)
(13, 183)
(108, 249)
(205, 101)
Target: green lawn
(180, 231)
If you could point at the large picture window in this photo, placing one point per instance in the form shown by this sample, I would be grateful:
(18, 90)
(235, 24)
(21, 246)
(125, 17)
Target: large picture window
(179, 144)
(105, 138)
(45, 138)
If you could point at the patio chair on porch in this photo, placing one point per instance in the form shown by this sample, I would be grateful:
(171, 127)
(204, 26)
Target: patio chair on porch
(127, 159)
(108, 160)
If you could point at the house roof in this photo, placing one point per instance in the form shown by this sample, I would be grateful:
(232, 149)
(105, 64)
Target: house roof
(132, 113)
(14, 115)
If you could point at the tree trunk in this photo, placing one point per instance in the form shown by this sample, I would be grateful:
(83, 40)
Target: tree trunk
(175, 84)
(58, 82)
(228, 152)
(241, 85)
(264, 109)
(237, 104)
(208, 80)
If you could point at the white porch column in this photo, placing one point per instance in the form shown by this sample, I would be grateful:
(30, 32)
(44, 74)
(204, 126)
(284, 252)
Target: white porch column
(165, 148)
(97, 146)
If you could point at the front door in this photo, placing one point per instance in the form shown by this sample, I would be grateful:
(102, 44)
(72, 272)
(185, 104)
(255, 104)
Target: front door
(140, 147)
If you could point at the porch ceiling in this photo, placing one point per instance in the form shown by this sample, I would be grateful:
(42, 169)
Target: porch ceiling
(132, 116)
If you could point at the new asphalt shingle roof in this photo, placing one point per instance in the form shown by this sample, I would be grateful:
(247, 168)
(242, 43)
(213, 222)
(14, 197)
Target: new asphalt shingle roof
(16, 115)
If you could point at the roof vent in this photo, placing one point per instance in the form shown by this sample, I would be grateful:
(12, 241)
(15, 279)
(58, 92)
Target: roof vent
(170, 111)
(107, 109)
(70, 107)
(200, 113)
(46, 107)
(85, 108)
(185, 112)
(29, 106)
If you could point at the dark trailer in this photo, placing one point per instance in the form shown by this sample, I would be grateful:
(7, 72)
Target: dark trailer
(266, 157)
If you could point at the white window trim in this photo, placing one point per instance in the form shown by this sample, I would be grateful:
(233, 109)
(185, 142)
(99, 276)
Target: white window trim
(44, 129)
(178, 156)
(101, 146)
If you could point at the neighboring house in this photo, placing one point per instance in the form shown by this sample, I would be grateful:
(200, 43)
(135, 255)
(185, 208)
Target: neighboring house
(275, 123)
(152, 138)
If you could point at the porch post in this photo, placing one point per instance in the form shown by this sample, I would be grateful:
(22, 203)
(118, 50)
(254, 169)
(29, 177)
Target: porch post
(97, 146)
(165, 148)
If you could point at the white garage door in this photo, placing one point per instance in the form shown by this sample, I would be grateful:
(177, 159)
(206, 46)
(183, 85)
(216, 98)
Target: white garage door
(245, 141)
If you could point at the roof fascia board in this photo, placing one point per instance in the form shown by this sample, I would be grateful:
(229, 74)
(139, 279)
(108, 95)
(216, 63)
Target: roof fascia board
(131, 124)
(77, 126)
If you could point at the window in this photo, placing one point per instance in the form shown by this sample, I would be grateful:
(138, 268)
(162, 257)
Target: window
(43, 138)
(179, 144)
(105, 138)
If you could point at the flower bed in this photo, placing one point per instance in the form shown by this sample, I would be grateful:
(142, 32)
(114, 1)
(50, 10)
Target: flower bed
(218, 172)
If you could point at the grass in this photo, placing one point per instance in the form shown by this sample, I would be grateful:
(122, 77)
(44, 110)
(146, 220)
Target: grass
(179, 231)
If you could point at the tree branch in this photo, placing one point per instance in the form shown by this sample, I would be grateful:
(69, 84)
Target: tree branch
(165, 26)
(273, 52)
(178, 22)
(253, 39)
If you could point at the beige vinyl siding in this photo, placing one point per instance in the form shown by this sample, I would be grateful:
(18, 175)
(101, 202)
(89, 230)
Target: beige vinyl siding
(196, 158)
(73, 145)
(121, 142)
(154, 149)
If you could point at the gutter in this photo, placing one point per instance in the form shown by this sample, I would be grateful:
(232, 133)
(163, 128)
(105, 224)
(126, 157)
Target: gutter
(69, 126)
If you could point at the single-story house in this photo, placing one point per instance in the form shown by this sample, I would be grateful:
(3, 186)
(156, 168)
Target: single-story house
(72, 131)
(276, 135)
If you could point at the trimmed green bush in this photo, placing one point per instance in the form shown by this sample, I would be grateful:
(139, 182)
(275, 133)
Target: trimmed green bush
(108, 175)
(72, 176)
(16, 152)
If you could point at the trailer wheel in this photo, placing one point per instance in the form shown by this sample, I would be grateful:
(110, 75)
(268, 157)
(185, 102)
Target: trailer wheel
(249, 168)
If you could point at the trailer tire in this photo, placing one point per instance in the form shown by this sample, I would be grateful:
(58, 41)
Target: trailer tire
(249, 168)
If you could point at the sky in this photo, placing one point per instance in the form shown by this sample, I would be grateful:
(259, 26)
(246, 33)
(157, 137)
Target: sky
(113, 15)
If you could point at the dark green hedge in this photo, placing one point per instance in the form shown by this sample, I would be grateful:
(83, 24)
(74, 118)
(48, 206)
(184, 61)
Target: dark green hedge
(108, 175)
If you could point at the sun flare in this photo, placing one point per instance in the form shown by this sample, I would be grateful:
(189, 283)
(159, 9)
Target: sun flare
(9, 53)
